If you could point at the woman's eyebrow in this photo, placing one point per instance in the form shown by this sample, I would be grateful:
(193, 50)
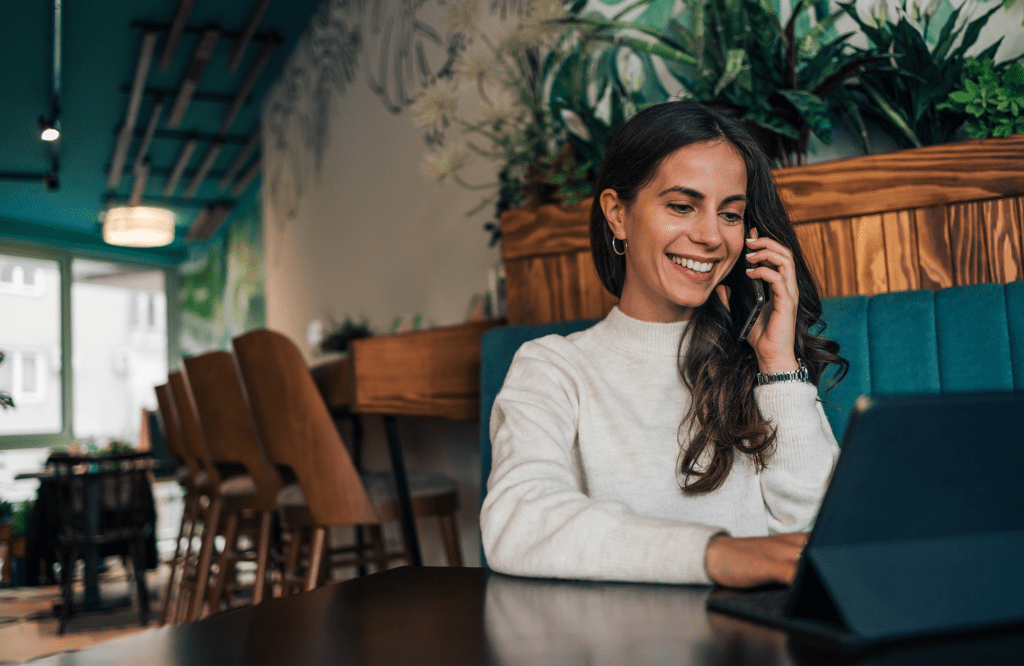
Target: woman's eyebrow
(686, 191)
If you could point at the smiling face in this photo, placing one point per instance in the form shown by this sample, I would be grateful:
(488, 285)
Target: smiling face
(684, 231)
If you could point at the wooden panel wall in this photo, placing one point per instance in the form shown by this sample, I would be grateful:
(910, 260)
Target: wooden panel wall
(921, 248)
(549, 274)
(925, 218)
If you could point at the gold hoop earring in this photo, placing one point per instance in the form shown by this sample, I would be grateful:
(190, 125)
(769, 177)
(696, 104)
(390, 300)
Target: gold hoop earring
(625, 244)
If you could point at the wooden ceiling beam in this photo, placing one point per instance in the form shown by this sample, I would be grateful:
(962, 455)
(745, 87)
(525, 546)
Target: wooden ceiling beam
(139, 184)
(124, 138)
(204, 170)
(249, 175)
(248, 30)
(181, 15)
(240, 159)
(250, 80)
(200, 59)
(208, 221)
(147, 138)
(179, 166)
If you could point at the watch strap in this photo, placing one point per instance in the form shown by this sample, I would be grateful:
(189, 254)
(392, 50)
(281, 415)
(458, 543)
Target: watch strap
(801, 374)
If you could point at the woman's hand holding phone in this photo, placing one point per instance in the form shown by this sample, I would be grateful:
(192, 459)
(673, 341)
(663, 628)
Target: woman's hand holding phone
(773, 335)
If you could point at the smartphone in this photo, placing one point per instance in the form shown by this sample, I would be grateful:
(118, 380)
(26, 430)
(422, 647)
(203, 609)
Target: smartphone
(746, 296)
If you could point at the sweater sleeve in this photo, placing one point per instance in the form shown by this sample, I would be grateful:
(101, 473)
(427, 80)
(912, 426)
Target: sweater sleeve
(537, 520)
(795, 479)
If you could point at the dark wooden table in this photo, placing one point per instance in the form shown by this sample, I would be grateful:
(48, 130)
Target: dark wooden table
(423, 615)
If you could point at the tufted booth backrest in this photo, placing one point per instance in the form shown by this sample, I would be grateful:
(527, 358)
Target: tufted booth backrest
(956, 340)
(960, 339)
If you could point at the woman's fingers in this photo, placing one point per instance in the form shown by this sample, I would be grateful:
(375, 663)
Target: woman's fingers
(773, 337)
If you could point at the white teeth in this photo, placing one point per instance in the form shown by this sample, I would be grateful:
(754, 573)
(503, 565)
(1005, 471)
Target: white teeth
(694, 265)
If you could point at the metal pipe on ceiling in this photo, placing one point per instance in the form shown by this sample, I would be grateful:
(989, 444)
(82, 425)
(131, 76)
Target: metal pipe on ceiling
(182, 135)
(154, 119)
(179, 166)
(248, 177)
(250, 80)
(181, 15)
(57, 48)
(240, 160)
(258, 9)
(200, 59)
(124, 138)
(198, 96)
(204, 169)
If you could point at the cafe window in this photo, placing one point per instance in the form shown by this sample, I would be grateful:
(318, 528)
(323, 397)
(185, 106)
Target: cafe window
(21, 278)
(85, 341)
(30, 338)
(119, 347)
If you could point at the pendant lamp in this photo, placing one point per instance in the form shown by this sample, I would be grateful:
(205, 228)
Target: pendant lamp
(138, 226)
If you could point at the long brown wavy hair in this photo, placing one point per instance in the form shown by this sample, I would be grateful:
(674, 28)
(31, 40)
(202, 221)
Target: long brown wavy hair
(719, 371)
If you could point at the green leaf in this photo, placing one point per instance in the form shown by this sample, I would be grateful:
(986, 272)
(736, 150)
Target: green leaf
(812, 109)
(963, 96)
(735, 63)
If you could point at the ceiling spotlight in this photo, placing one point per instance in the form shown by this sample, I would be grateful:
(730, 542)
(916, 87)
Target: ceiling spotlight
(50, 128)
(138, 226)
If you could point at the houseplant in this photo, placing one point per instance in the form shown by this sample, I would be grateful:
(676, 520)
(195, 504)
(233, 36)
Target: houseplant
(992, 98)
(905, 96)
(5, 398)
(537, 89)
(777, 74)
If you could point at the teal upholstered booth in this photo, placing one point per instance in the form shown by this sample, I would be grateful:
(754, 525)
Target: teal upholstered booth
(961, 339)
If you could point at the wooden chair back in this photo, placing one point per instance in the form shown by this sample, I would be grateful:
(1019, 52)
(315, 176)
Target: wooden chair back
(172, 430)
(226, 424)
(297, 430)
(191, 433)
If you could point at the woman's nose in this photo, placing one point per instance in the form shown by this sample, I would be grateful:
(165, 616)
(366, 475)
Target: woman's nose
(705, 230)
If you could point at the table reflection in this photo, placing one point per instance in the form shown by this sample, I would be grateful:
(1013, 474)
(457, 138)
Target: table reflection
(530, 621)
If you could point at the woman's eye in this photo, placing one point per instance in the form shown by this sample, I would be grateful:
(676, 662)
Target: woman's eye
(732, 218)
(681, 208)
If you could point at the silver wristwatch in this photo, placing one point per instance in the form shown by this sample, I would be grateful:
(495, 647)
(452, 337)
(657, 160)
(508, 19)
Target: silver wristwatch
(799, 375)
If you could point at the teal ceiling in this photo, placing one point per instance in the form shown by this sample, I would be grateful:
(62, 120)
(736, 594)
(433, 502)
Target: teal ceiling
(101, 43)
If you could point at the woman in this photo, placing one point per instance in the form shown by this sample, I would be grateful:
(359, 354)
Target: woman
(640, 449)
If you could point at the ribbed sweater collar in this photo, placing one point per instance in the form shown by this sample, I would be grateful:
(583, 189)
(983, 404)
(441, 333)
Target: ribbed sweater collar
(642, 338)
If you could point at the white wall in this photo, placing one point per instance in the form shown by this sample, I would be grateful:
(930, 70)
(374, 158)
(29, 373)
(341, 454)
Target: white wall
(361, 234)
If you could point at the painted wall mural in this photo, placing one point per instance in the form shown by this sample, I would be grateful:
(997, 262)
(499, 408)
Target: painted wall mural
(389, 44)
(222, 284)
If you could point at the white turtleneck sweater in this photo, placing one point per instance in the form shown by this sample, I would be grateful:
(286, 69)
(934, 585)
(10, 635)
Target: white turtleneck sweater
(585, 478)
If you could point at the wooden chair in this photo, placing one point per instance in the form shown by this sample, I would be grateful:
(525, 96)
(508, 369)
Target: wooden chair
(192, 478)
(231, 440)
(298, 434)
(223, 482)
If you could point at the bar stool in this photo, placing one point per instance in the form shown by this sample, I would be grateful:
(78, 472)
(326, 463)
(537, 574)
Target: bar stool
(193, 479)
(298, 434)
(231, 440)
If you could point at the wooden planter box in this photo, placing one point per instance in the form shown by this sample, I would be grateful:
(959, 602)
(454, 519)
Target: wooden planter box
(924, 218)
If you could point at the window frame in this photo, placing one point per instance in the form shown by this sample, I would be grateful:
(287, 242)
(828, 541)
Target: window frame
(64, 259)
